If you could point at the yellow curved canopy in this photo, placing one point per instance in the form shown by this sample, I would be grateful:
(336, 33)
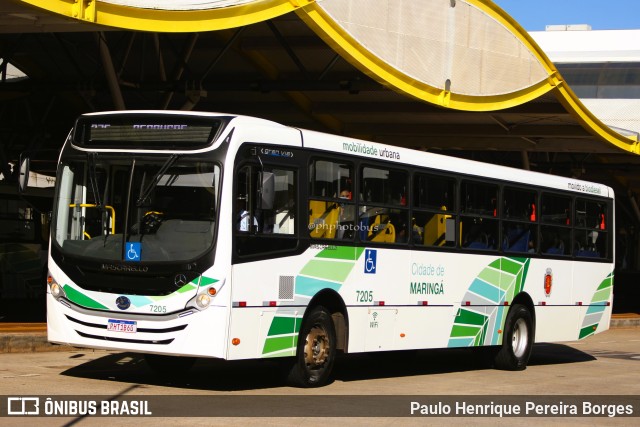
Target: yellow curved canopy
(460, 54)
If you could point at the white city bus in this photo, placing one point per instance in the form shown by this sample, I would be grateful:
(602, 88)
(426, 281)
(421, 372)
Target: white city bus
(183, 235)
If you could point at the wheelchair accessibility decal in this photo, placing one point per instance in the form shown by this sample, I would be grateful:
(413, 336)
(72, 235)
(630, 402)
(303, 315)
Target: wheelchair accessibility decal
(370, 261)
(132, 251)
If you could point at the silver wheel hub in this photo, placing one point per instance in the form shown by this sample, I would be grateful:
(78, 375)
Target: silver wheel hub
(520, 338)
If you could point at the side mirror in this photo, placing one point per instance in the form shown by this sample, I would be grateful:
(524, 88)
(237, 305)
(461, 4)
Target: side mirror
(23, 179)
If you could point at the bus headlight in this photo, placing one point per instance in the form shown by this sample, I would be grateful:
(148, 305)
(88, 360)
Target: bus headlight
(203, 300)
(56, 291)
(54, 287)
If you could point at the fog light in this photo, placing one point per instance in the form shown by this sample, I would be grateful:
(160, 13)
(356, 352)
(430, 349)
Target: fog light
(203, 300)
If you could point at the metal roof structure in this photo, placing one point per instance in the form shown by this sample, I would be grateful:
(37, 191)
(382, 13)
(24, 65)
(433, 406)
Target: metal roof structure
(456, 76)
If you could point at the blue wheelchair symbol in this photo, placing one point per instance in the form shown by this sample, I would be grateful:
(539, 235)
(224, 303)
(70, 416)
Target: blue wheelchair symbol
(370, 258)
(132, 252)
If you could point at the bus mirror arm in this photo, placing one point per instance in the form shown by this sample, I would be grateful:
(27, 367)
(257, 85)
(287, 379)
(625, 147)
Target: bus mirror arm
(267, 190)
(266, 187)
(23, 181)
(23, 178)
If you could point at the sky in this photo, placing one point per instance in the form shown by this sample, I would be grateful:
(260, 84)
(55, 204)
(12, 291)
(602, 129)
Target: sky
(534, 15)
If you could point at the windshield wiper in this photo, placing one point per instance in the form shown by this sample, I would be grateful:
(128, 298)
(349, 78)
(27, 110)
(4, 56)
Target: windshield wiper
(93, 179)
(156, 178)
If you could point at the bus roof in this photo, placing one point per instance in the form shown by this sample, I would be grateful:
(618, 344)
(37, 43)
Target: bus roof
(402, 156)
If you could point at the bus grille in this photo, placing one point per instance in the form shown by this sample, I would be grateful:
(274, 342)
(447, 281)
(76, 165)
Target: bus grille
(146, 330)
(129, 340)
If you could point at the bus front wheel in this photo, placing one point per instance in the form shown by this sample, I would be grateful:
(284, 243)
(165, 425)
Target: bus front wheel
(316, 350)
(517, 341)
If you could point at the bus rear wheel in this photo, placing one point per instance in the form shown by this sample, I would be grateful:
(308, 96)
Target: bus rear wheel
(316, 351)
(517, 341)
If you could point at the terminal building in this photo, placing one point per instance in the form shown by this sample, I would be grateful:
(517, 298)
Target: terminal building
(602, 67)
(472, 83)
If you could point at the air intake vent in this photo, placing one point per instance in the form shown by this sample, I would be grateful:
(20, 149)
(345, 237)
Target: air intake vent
(285, 290)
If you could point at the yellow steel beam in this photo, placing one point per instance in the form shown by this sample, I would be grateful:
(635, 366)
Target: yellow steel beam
(332, 33)
(342, 42)
(563, 92)
(167, 21)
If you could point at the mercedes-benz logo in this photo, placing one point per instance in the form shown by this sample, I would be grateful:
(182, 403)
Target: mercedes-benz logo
(180, 280)
(123, 302)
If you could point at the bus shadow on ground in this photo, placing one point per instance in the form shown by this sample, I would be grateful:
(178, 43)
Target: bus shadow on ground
(443, 361)
(220, 375)
(557, 354)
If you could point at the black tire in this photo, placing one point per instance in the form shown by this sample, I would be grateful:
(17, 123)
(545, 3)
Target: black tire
(169, 366)
(517, 341)
(316, 352)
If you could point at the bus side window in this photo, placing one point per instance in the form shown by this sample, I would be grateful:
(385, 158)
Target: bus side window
(384, 217)
(265, 204)
(519, 228)
(555, 229)
(433, 220)
(382, 230)
(555, 240)
(478, 219)
(331, 206)
(591, 235)
(323, 219)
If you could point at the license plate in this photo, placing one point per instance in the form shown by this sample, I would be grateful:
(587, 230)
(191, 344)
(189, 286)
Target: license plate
(128, 326)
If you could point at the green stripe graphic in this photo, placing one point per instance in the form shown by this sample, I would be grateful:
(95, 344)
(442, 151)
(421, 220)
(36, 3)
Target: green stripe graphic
(601, 296)
(499, 282)
(81, 299)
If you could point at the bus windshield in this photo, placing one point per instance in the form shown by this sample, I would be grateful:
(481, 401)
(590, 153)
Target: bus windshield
(136, 209)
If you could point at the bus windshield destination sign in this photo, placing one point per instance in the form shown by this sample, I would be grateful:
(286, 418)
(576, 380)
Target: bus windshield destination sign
(165, 131)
